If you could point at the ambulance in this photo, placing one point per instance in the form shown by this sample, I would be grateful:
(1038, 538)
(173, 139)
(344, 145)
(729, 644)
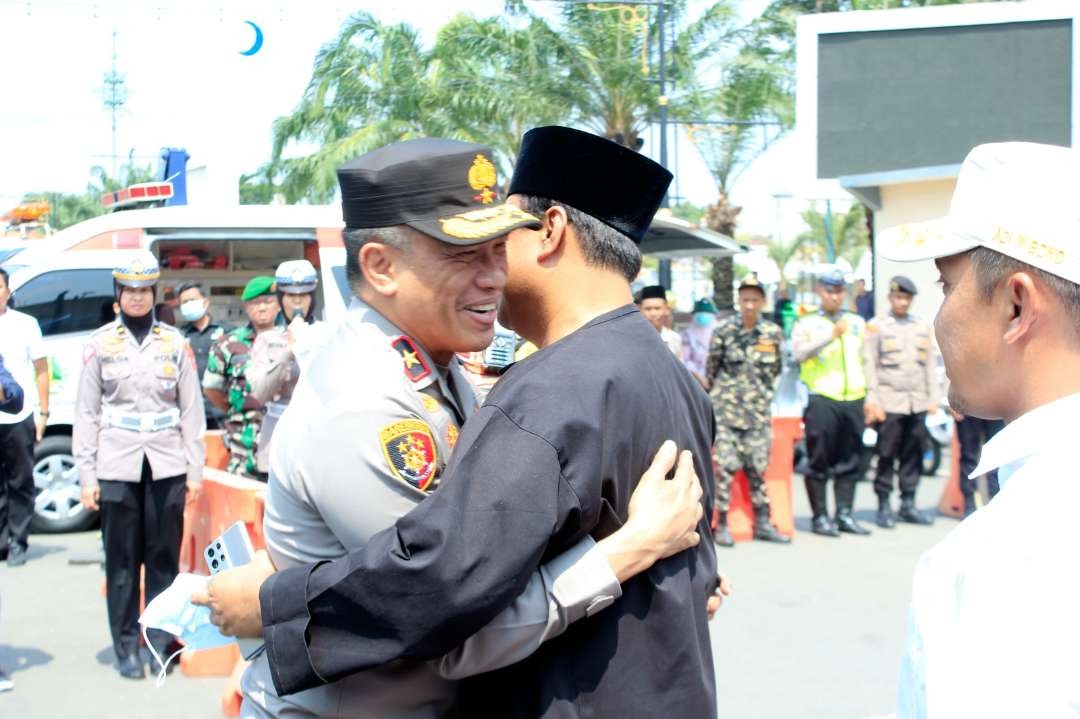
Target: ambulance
(65, 282)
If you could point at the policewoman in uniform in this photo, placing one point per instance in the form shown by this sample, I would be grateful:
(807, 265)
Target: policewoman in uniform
(138, 444)
(828, 345)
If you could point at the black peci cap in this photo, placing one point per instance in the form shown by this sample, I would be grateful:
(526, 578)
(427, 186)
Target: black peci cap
(653, 292)
(620, 187)
(443, 188)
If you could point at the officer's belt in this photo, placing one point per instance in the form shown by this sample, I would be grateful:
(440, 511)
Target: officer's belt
(141, 421)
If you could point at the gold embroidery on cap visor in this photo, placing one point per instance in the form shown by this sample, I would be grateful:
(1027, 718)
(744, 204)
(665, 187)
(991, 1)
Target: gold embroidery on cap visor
(488, 222)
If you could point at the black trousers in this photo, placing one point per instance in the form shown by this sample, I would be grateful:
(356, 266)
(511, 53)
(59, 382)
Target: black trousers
(142, 525)
(972, 433)
(900, 437)
(834, 448)
(16, 482)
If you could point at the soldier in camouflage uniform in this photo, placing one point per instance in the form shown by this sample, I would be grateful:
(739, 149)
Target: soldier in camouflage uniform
(225, 381)
(743, 364)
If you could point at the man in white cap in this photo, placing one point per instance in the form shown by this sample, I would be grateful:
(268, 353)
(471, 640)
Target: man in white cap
(994, 628)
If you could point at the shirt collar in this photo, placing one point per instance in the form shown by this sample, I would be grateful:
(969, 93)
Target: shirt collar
(1036, 431)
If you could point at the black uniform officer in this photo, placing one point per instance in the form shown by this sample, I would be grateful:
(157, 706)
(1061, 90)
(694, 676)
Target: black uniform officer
(551, 456)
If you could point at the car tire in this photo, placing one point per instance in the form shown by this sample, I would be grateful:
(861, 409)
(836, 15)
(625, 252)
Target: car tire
(57, 503)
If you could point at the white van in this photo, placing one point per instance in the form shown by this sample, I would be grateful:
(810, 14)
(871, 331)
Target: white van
(66, 283)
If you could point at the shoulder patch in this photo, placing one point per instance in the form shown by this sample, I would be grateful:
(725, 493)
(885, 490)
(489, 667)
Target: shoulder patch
(415, 367)
(409, 449)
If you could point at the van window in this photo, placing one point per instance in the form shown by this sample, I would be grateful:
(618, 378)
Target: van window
(68, 300)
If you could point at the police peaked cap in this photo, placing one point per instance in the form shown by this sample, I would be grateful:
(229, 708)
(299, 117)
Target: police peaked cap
(446, 189)
(902, 284)
(617, 186)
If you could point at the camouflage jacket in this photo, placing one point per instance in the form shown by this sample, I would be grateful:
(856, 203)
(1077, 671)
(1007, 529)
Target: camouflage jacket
(743, 366)
(226, 371)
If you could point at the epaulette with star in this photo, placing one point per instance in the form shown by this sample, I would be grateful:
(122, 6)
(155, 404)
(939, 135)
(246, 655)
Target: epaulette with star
(412, 360)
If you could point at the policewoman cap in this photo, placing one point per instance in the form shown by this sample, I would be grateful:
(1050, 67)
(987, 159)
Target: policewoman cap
(141, 270)
(832, 278)
(446, 189)
(296, 277)
(609, 182)
(257, 287)
(1016, 198)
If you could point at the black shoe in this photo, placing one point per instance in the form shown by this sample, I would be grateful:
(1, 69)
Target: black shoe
(164, 651)
(723, 537)
(909, 514)
(764, 529)
(16, 556)
(130, 667)
(823, 525)
(885, 518)
(846, 523)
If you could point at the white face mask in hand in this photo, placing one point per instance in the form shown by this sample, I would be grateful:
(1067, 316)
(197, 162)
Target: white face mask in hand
(172, 612)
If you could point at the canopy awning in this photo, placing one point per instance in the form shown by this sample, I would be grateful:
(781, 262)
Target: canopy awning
(669, 237)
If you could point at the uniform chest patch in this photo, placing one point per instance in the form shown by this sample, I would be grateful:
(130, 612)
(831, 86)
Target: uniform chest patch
(451, 436)
(430, 403)
(410, 452)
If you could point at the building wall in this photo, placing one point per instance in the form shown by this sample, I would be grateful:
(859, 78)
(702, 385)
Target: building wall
(911, 202)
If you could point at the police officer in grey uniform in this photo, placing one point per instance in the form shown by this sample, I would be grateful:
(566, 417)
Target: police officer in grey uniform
(354, 452)
(138, 445)
(275, 367)
(901, 387)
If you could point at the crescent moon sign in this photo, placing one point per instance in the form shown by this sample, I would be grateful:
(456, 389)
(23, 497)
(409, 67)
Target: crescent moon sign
(257, 45)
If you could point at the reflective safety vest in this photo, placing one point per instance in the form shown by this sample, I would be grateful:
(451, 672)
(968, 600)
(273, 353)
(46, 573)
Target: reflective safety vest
(837, 371)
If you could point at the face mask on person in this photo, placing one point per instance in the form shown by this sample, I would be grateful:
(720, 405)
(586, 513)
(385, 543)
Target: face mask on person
(704, 319)
(193, 310)
(172, 612)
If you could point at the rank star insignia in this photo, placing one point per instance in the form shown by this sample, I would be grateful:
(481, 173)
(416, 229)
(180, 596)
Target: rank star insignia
(413, 362)
(409, 449)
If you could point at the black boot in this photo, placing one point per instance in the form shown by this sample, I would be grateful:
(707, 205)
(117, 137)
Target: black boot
(721, 535)
(824, 526)
(911, 515)
(846, 523)
(128, 664)
(765, 530)
(885, 517)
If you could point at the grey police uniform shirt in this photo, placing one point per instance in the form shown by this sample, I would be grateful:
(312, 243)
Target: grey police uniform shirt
(138, 380)
(900, 362)
(369, 429)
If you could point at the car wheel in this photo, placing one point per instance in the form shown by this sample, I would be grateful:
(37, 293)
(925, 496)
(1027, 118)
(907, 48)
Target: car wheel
(58, 503)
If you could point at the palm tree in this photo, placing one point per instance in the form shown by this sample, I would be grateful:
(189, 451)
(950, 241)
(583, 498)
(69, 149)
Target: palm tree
(489, 80)
(848, 231)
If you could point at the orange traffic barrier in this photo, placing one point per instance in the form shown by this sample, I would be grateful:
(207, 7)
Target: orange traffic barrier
(217, 456)
(225, 499)
(952, 499)
(786, 431)
(233, 697)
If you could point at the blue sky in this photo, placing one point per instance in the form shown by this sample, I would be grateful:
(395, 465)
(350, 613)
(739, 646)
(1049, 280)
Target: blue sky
(188, 85)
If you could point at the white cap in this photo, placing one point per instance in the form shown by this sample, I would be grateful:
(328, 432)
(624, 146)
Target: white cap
(1016, 198)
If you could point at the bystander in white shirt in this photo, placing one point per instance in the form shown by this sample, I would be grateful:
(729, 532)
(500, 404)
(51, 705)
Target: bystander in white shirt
(994, 626)
(20, 345)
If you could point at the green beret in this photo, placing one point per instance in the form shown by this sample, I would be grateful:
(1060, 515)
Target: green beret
(257, 286)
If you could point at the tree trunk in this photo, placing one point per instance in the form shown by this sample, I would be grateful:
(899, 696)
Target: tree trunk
(722, 217)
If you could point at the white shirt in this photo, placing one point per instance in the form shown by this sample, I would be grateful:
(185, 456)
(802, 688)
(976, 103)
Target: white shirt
(20, 345)
(994, 626)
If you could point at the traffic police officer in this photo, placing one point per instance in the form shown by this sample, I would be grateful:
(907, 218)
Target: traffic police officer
(901, 387)
(352, 454)
(274, 368)
(138, 442)
(226, 382)
(828, 345)
(743, 364)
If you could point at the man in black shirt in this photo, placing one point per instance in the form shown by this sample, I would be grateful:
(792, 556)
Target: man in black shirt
(552, 456)
(202, 333)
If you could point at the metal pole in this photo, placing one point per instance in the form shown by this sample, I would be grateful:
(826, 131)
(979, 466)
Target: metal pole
(664, 270)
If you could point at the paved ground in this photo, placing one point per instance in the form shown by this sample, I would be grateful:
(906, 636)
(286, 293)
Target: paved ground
(814, 629)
